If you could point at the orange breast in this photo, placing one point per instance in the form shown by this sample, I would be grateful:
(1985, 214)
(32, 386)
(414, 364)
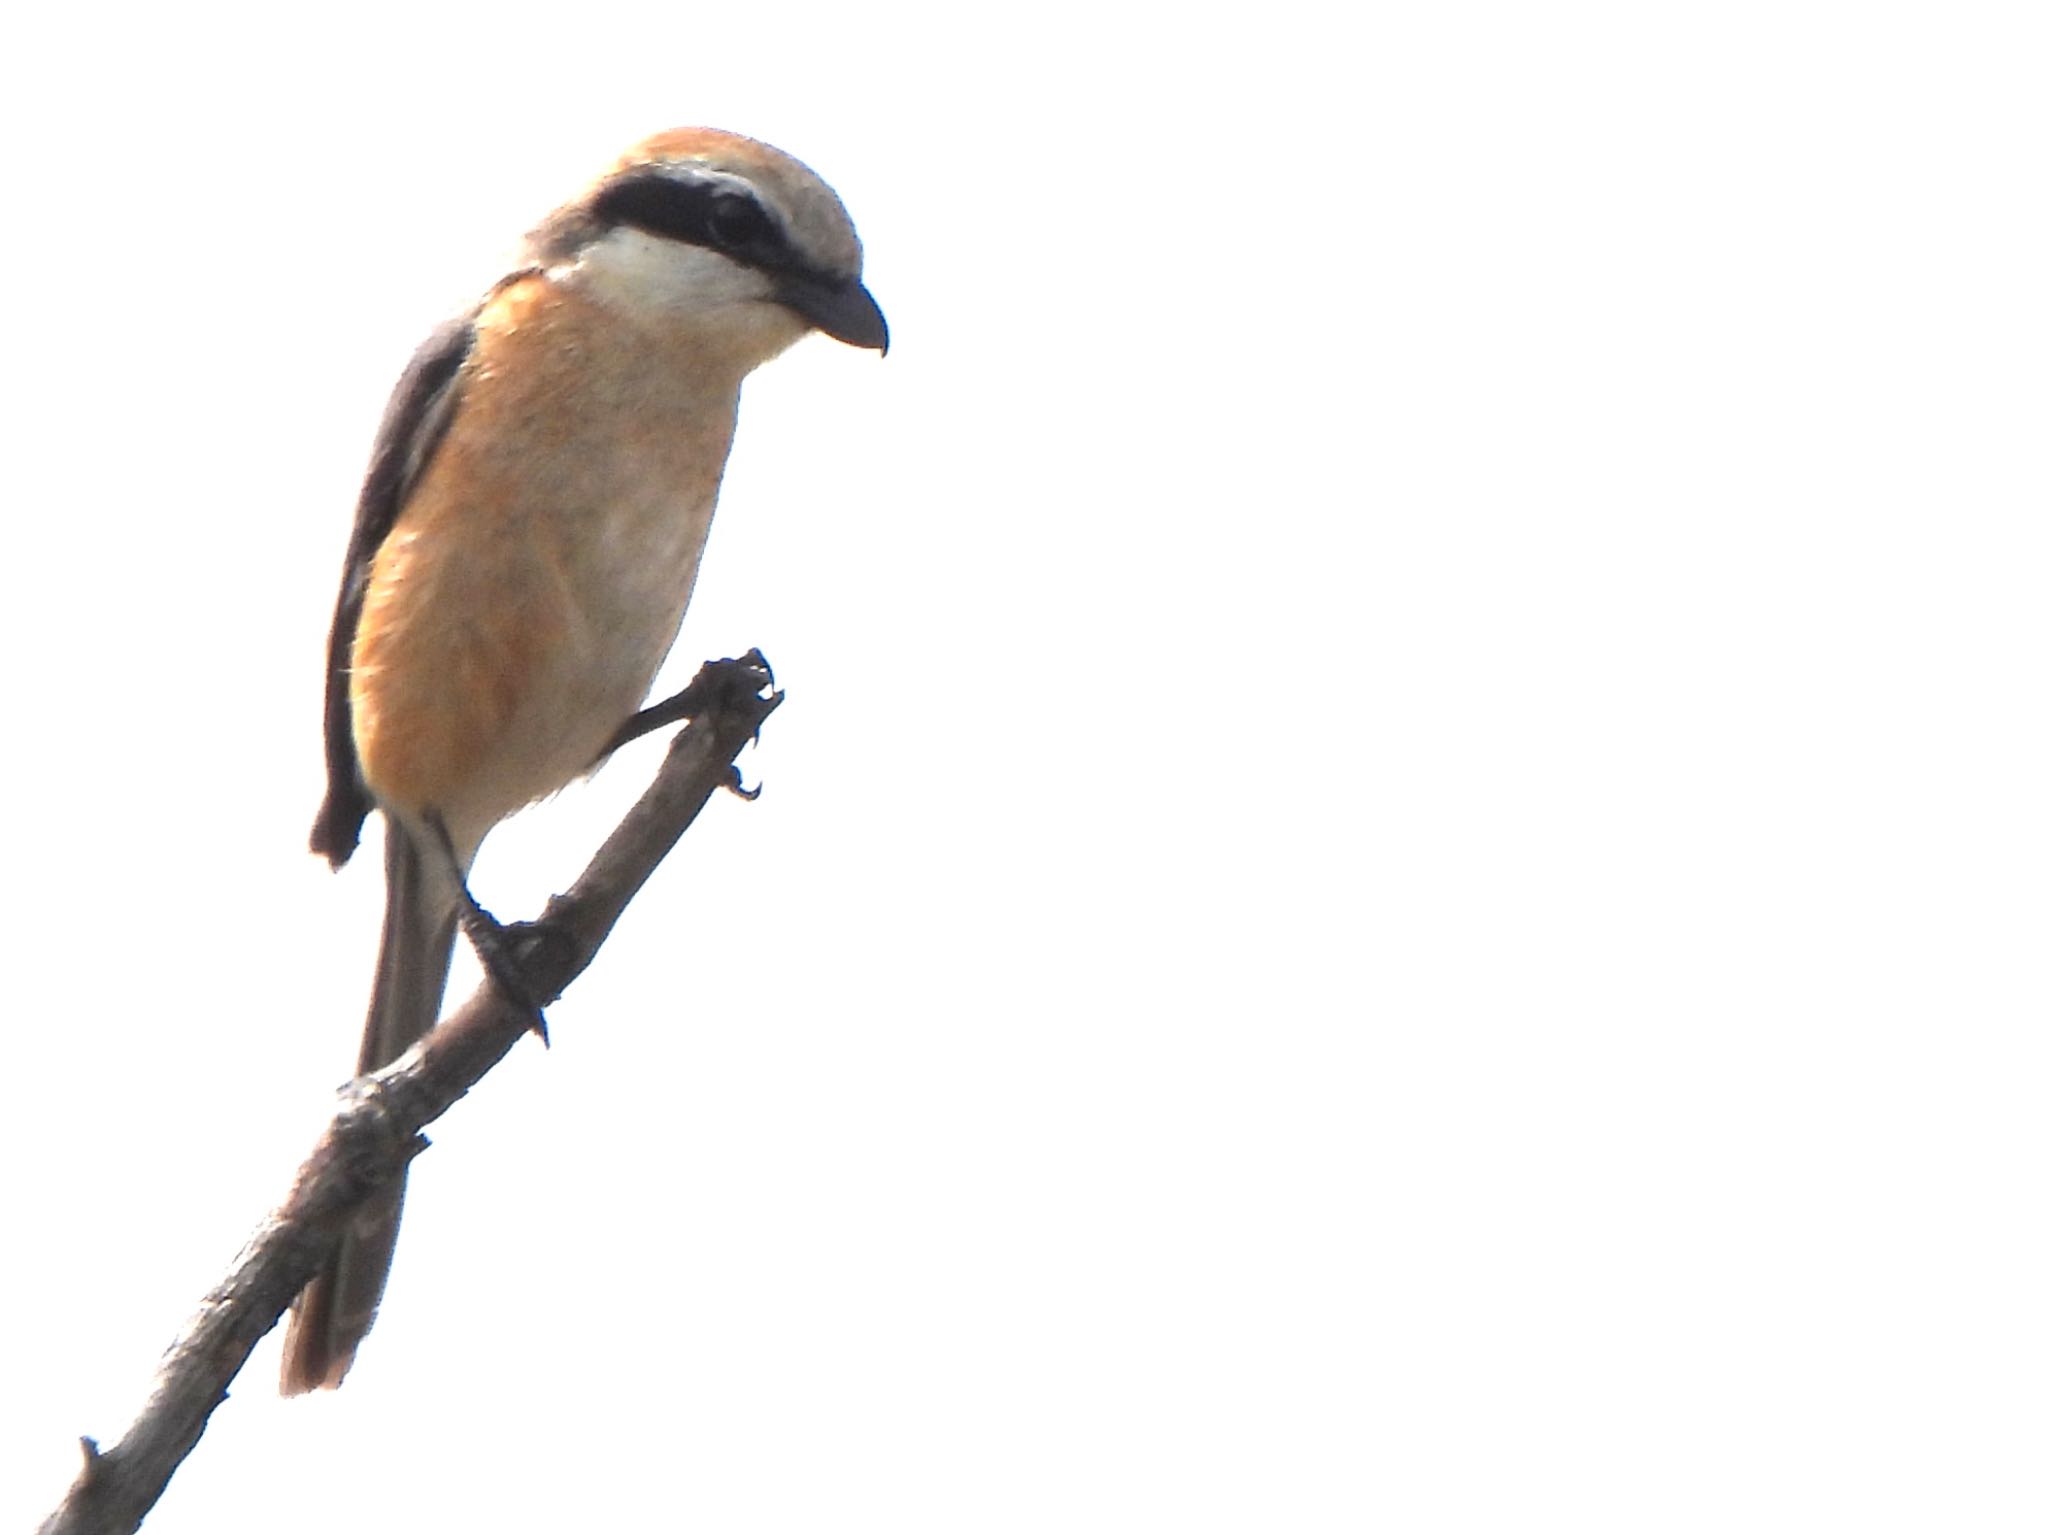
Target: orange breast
(534, 580)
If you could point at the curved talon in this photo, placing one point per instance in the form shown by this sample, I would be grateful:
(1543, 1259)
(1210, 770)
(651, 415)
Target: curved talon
(716, 681)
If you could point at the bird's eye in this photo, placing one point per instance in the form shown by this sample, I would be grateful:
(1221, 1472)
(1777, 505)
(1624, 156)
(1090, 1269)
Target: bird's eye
(736, 222)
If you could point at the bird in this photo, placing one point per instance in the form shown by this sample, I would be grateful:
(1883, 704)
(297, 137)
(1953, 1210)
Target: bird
(526, 539)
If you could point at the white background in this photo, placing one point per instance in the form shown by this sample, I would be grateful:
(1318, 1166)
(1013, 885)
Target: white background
(1402, 885)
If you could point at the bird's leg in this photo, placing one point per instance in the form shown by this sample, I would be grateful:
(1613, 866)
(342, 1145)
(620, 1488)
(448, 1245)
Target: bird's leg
(748, 674)
(495, 944)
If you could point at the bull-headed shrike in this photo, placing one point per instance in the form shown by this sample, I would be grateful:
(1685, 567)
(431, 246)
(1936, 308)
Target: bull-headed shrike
(525, 543)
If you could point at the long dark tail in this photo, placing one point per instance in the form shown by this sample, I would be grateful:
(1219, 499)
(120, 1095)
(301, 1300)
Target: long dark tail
(334, 1312)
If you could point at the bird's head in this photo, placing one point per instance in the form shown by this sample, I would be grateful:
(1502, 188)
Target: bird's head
(723, 232)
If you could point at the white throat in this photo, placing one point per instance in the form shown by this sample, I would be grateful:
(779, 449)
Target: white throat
(670, 285)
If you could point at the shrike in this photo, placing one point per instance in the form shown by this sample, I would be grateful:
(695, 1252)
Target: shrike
(525, 544)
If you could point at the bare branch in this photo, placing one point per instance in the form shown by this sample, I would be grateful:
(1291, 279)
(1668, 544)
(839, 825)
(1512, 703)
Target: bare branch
(376, 1130)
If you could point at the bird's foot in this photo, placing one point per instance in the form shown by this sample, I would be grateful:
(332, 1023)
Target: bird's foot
(502, 950)
(743, 676)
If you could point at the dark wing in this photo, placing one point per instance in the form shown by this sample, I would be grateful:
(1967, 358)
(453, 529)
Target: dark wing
(414, 423)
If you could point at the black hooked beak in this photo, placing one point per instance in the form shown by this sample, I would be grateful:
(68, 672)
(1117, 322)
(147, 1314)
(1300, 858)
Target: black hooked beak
(843, 310)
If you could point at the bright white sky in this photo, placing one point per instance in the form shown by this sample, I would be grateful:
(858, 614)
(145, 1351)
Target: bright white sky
(1402, 886)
